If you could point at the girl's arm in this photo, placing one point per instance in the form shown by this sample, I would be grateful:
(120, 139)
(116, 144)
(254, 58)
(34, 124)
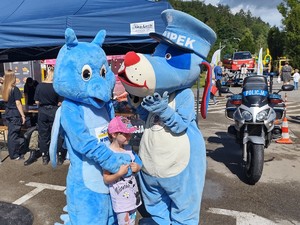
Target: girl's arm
(111, 178)
(20, 108)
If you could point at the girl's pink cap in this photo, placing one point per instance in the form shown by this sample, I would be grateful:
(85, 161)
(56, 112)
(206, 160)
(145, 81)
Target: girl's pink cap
(120, 124)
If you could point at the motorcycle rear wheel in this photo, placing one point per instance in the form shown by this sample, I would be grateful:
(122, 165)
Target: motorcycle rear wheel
(255, 162)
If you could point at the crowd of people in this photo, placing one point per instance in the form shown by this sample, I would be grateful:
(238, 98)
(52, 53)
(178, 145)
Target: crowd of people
(47, 101)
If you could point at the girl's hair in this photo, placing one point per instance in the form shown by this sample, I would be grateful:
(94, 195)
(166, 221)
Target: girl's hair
(8, 84)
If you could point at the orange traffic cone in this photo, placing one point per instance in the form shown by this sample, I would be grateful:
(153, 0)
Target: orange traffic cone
(285, 139)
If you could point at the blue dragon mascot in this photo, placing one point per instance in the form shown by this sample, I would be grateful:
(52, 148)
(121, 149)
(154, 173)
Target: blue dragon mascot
(172, 148)
(83, 77)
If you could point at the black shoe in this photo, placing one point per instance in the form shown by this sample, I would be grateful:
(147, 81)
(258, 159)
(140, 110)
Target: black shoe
(46, 160)
(60, 160)
(32, 158)
(20, 157)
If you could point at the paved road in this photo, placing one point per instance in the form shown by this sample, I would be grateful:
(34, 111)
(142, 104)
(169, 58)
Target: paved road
(227, 200)
(275, 198)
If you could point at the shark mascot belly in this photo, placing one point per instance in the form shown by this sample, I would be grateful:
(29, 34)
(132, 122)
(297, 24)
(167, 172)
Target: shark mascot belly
(172, 148)
(82, 76)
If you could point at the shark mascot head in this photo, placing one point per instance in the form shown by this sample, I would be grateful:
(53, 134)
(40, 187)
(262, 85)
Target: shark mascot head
(172, 148)
(82, 76)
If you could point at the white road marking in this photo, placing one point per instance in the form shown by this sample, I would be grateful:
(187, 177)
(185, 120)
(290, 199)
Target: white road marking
(293, 110)
(293, 114)
(292, 106)
(245, 218)
(39, 187)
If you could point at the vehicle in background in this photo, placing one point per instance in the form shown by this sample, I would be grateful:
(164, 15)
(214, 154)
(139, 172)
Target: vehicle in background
(279, 63)
(237, 67)
(238, 59)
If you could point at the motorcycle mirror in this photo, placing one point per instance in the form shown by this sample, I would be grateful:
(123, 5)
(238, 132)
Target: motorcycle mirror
(287, 87)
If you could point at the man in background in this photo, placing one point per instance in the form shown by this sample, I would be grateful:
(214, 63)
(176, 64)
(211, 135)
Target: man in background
(218, 70)
(286, 73)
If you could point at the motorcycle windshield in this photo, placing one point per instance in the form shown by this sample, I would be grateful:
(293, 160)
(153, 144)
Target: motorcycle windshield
(255, 91)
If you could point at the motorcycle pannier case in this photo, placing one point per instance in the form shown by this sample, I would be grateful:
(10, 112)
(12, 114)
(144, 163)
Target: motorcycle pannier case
(233, 102)
(277, 104)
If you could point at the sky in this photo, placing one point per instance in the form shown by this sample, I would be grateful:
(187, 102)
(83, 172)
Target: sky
(265, 9)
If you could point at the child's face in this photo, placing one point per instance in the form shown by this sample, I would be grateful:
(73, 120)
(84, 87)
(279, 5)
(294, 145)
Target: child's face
(123, 138)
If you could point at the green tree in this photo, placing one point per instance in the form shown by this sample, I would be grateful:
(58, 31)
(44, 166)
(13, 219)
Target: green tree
(290, 10)
(247, 42)
(230, 28)
(276, 42)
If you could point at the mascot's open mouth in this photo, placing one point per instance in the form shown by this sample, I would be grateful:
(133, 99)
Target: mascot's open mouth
(122, 76)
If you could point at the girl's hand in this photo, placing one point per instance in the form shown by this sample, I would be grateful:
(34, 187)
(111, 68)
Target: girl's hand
(123, 170)
(135, 167)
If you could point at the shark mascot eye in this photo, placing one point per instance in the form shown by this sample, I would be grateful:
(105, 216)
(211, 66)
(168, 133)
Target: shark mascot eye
(82, 120)
(86, 72)
(172, 148)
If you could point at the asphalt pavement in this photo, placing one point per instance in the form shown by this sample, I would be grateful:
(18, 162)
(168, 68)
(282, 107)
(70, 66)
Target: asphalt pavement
(37, 192)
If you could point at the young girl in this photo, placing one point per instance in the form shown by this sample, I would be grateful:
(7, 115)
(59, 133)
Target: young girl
(123, 190)
(14, 115)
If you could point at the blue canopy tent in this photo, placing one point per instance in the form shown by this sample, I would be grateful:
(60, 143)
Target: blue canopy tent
(34, 29)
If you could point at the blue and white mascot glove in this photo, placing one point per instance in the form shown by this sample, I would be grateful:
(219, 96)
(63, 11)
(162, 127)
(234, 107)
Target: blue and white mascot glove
(159, 105)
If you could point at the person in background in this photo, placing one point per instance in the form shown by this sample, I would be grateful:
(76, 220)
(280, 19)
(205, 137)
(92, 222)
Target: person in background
(35, 83)
(286, 72)
(213, 92)
(14, 115)
(29, 90)
(48, 101)
(123, 190)
(218, 70)
(1, 86)
(296, 77)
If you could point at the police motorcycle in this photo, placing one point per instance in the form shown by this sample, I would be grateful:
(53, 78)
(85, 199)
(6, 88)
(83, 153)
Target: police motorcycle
(254, 112)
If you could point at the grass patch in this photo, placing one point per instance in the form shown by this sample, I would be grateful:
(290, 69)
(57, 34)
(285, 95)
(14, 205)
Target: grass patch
(202, 80)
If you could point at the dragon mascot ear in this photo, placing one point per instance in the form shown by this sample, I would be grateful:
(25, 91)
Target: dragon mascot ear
(99, 39)
(71, 39)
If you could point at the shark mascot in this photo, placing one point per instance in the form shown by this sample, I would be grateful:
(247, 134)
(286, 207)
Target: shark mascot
(172, 148)
(82, 76)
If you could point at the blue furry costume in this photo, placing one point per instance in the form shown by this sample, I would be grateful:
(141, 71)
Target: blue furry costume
(172, 148)
(83, 77)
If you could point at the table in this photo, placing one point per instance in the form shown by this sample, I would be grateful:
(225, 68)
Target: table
(30, 113)
(26, 110)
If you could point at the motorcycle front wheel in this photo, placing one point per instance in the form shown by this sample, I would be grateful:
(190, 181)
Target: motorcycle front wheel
(255, 162)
